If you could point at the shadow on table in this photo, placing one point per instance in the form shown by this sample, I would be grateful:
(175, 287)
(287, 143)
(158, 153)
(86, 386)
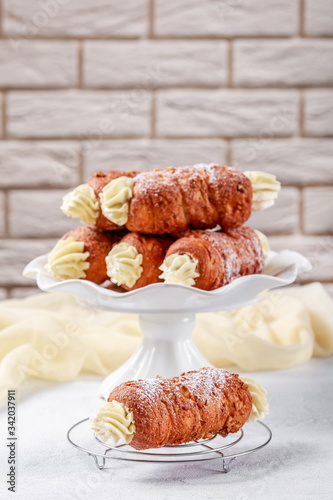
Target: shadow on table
(260, 467)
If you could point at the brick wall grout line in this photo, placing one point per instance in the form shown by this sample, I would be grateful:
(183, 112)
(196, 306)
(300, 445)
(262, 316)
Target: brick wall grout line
(163, 137)
(9, 289)
(151, 18)
(301, 113)
(40, 188)
(183, 86)
(1, 19)
(230, 64)
(79, 67)
(4, 115)
(301, 17)
(6, 214)
(30, 238)
(112, 139)
(301, 211)
(153, 115)
(297, 131)
(228, 154)
(175, 38)
(81, 164)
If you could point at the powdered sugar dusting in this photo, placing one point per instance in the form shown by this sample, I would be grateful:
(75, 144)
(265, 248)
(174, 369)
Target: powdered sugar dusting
(240, 250)
(150, 389)
(201, 385)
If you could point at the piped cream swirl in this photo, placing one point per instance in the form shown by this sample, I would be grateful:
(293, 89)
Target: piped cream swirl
(115, 198)
(179, 268)
(265, 189)
(68, 260)
(264, 243)
(113, 421)
(124, 265)
(260, 405)
(81, 203)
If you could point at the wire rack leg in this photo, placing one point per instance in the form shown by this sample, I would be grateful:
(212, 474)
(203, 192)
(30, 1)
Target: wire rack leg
(99, 464)
(226, 464)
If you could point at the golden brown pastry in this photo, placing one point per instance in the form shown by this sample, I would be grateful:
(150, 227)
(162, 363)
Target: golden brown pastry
(134, 262)
(171, 411)
(164, 201)
(202, 196)
(211, 259)
(81, 253)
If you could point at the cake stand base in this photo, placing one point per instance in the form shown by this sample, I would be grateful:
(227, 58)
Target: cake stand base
(166, 350)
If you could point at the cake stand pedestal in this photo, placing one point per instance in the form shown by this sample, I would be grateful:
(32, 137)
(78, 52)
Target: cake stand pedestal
(166, 350)
(167, 313)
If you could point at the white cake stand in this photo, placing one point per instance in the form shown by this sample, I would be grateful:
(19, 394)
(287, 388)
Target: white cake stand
(167, 313)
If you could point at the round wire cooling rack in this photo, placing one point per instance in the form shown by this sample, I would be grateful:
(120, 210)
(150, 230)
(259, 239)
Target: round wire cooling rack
(203, 450)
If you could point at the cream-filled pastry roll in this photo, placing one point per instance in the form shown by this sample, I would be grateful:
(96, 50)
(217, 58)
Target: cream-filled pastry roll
(102, 201)
(211, 259)
(81, 253)
(134, 262)
(171, 200)
(171, 411)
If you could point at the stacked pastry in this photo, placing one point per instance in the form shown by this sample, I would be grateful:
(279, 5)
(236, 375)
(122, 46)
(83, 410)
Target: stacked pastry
(178, 225)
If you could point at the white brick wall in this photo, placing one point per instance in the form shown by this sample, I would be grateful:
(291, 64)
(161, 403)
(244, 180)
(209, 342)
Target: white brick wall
(318, 210)
(283, 63)
(226, 18)
(90, 85)
(227, 113)
(77, 113)
(318, 113)
(318, 249)
(75, 18)
(318, 17)
(283, 217)
(296, 161)
(15, 254)
(155, 63)
(150, 154)
(37, 213)
(39, 164)
(1, 115)
(2, 214)
(38, 64)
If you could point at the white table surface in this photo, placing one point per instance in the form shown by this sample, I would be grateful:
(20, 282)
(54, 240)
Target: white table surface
(298, 463)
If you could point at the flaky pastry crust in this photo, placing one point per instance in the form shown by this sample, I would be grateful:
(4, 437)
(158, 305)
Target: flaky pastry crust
(201, 196)
(195, 405)
(221, 256)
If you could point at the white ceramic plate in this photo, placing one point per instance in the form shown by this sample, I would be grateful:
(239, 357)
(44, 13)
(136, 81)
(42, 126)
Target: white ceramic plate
(281, 269)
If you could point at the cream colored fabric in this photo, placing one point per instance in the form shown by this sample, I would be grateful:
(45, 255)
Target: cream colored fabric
(52, 337)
